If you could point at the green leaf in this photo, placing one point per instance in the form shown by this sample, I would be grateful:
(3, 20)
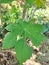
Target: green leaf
(40, 3)
(15, 30)
(11, 37)
(9, 40)
(34, 32)
(5, 1)
(30, 2)
(23, 51)
(11, 27)
(17, 27)
(26, 30)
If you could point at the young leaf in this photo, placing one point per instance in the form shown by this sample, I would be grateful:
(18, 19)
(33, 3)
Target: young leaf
(25, 30)
(34, 32)
(23, 51)
(9, 40)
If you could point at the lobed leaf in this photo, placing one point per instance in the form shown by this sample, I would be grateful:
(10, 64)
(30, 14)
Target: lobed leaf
(23, 51)
(25, 30)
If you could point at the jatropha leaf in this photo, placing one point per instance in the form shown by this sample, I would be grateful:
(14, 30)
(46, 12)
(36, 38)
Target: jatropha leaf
(24, 30)
(23, 51)
(15, 30)
(9, 40)
(11, 37)
(34, 32)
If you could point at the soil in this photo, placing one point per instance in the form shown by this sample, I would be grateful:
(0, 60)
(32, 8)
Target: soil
(7, 57)
(40, 58)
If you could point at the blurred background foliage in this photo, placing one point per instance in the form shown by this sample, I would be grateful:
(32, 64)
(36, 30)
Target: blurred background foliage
(11, 10)
(14, 10)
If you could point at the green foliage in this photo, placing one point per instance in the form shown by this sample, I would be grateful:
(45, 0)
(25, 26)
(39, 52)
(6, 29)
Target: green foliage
(9, 41)
(38, 3)
(5, 1)
(11, 15)
(23, 52)
(30, 2)
(24, 30)
(5, 16)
